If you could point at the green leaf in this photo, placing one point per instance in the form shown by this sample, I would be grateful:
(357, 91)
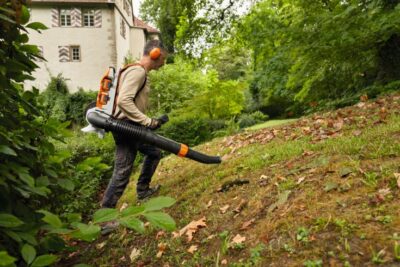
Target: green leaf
(26, 178)
(24, 15)
(51, 218)
(133, 223)
(329, 186)
(81, 265)
(161, 220)
(132, 211)
(28, 253)
(37, 26)
(66, 184)
(44, 260)
(105, 215)
(28, 238)
(9, 220)
(7, 150)
(6, 259)
(3, 17)
(87, 232)
(158, 203)
(74, 217)
(344, 172)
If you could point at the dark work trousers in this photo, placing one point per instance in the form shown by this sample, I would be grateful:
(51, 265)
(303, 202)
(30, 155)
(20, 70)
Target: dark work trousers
(126, 149)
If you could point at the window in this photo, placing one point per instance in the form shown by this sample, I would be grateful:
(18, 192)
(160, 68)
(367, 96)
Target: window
(65, 17)
(88, 18)
(75, 53)
(122, 28)
(127, 7)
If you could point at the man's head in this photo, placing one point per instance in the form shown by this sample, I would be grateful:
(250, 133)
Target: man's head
(154, 54)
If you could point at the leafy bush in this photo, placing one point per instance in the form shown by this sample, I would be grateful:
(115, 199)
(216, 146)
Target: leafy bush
(64, 106)
(247, 120)
(55, 98)
(189, 130)
(31, 170)
(77, 103)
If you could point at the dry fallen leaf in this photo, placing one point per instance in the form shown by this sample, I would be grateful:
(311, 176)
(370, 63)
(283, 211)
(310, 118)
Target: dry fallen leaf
(101, 245)
(237, 240)
(364, 98)
(161, 249)
(224, 208)
(338, 125)
(209, 204)
(301, 179)
(160, 234)
(247, 224)
(192, 249)
(175, 234)
(124, 206)
(210, 237)
(241, 206)
(135, 253)
(192, 228)
(224, 262)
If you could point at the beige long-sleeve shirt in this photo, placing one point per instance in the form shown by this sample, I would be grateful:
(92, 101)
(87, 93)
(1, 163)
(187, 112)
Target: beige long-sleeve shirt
(132, 104)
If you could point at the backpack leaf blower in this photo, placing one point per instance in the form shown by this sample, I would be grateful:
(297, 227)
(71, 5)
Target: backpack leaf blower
(100, 120)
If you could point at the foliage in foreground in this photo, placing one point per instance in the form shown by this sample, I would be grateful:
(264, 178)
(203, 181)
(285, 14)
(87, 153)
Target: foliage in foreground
(31, 170)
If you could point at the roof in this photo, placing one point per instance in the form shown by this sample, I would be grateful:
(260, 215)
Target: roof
(141, 24)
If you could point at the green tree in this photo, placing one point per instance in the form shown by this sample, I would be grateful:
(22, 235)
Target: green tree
(230, 59)
(190, 26)
(312, 50)
(220, 100)
(174, 84)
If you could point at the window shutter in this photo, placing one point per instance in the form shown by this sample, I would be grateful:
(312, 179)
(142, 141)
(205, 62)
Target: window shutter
(55, 18)
(63, 53)
(97, 18)
(76, 15)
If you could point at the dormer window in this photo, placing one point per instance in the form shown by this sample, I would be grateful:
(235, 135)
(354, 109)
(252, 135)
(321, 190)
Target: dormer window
(65, 17)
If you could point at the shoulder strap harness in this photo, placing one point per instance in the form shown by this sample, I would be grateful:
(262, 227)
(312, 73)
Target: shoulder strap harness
(117, 88)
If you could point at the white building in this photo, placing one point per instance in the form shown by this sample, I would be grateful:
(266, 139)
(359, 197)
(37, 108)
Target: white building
(84, 38)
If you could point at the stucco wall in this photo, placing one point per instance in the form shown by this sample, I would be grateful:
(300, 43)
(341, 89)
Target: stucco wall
(97, 50)
(137, 42)
(121, 42)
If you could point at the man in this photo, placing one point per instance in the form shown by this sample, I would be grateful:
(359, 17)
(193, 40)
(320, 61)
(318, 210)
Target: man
(131, 105)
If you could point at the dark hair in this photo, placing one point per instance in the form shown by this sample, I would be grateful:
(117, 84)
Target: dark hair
(152, 44)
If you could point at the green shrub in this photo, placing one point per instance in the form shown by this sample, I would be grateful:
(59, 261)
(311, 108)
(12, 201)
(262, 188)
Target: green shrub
(55, 98)
(187, 129)
(77, 104)
(247, 120)
(63, 106)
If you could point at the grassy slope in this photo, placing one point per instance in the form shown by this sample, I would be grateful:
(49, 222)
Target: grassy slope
(342, 221)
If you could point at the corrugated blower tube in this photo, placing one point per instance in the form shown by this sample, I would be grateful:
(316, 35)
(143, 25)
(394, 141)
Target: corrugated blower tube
(145, 135)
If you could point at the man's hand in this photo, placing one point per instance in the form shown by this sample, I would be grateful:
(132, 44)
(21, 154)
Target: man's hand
(163, 118)
(156, 123)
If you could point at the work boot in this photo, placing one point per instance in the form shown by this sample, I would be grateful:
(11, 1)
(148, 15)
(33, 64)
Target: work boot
(147, 192)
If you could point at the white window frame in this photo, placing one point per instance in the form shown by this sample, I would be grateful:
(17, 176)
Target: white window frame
(65, 17)
(75, 53)
(88, 17)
